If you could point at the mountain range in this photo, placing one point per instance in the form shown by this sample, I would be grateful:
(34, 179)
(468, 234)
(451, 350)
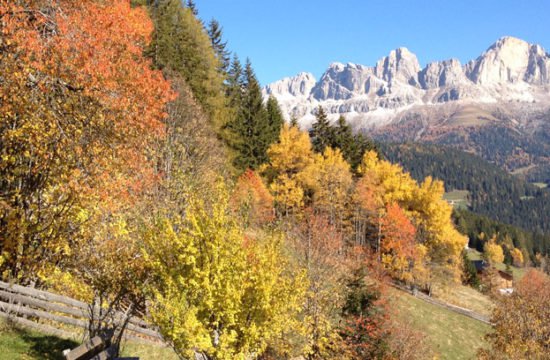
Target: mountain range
(504, 92)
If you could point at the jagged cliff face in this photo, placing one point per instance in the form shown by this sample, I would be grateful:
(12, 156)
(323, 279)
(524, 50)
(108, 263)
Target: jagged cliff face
(511, 70)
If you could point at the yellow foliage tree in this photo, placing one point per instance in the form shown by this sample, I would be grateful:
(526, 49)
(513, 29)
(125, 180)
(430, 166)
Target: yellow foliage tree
(288, 158)
(493, 252)
(517, 257)
(330, 181)
(215, 293)
(430, 214)
(521, 326)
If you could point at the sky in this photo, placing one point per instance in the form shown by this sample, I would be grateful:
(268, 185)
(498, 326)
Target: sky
(285, 37)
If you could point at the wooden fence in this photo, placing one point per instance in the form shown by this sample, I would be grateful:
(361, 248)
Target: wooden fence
(55, 314)
(457, 309)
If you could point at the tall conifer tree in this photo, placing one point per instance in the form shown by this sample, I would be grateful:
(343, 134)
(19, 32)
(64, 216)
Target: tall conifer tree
(220, 47)
(190, 4)
(275, 119)
(322, 133)
(235, 83)
(250, 127)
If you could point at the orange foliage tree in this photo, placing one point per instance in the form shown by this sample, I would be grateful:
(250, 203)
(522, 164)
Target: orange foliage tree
(80, 112)
(251, 200)
(398, 246)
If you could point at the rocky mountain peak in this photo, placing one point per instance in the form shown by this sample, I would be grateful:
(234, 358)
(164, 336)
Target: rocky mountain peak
(442, 73)
(400, 65)
(510, 60)
(297, 86)
(509, 71)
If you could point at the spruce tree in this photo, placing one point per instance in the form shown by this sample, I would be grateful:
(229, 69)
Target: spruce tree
(275, 119)
(343, 136)
(219, 46)
(322, 133)
(359, 146)
(234, 84)
(190, 4)
(250, 126)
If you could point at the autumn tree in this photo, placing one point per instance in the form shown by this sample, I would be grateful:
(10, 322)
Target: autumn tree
(81, 110)
(517, 257)
(493, 252)
(216, 292)
(288, 158)
(318, 246)
(430, 214)
(398, 246)
(521, 327)
(252, 201)
(329, 181)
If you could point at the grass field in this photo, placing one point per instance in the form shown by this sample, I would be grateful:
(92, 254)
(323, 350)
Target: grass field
(469, 298)
(458, 198)
(450, 335)
(471, 116)
(19, 344)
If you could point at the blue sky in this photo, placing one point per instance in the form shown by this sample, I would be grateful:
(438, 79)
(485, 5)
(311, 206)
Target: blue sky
(284, 37)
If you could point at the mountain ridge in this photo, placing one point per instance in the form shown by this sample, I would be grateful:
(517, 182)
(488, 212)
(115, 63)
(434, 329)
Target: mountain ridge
(510, 70)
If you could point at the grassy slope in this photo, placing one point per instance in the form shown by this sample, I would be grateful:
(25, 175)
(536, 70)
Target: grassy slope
(470, 116)
(459, 198)
(19, 344)
(451, 335)
(469, 298)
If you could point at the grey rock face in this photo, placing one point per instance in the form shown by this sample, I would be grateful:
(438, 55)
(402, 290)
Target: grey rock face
(510, 60)
(442, 74)
(511, 70)
(299, 86)
(401, 65)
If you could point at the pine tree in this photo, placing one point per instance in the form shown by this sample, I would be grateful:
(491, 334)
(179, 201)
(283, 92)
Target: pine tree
(250, 127)
(322, 133)
(234, 85)
(360, 144)
(190, 4)
(219, 46)
(275, 119)
(343, 136)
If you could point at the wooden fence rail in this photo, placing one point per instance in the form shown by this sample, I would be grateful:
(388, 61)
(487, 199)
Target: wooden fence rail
(457, 309)
(20, 304)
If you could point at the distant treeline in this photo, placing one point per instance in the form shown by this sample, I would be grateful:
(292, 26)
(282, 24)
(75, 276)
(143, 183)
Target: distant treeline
(480, 228)
(493, 192)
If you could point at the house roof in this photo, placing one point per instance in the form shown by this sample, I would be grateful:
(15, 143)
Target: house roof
(480, 265)
(505, 275)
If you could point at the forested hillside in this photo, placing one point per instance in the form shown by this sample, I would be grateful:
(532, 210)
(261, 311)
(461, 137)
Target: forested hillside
(492, 192)
(143, 173)
(494, 135)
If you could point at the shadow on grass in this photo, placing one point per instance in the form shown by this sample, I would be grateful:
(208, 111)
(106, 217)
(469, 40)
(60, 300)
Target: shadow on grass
(45, 347)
